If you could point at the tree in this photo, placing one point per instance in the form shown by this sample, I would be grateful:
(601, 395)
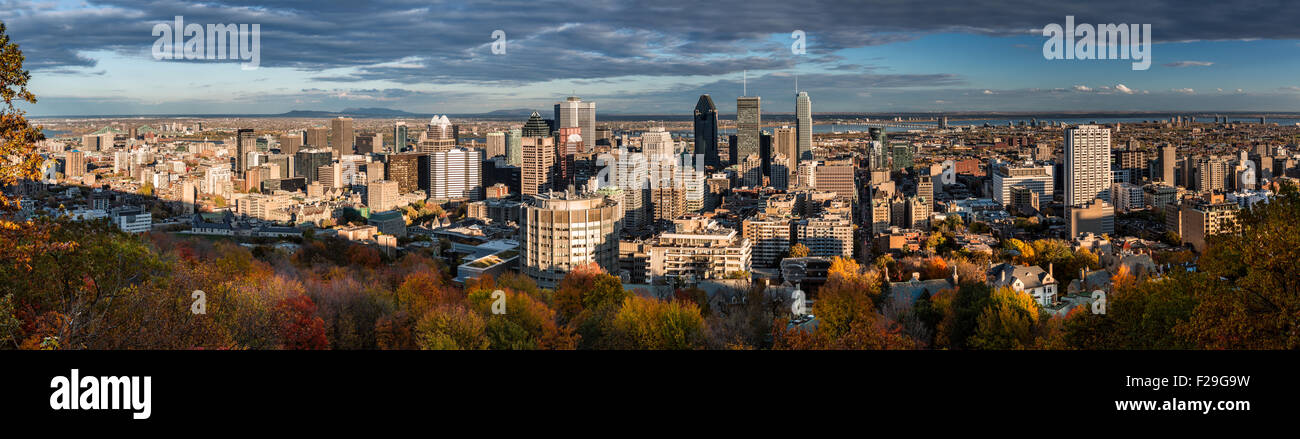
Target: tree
(300, 327)
(1010, 321)
(451, 328)
(644, 323)
(799, 251)
(19, 240)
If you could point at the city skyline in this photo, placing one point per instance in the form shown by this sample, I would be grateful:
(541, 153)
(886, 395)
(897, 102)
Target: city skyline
(638, 60)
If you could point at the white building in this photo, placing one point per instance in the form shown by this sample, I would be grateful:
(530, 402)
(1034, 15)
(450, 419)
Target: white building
(1087, 164)
(1038, 178)
(456, 173)
(1127, 197)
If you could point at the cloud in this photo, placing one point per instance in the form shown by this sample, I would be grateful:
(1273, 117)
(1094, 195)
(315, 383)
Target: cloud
(1181, 64)
(1082, 88)
(1186, 91)
(1124, 89)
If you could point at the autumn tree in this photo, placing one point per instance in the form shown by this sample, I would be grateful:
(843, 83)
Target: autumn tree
(799, 251)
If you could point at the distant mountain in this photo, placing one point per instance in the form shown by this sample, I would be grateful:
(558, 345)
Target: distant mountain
(353, 112)
(521, 113)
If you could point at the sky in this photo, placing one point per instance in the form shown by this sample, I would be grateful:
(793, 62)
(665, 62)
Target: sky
(656, 57)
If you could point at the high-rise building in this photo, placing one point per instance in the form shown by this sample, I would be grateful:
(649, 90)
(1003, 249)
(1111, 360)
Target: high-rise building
(562, 231)
(330, 176)
(381, 195)
(838, 178)
(574, 112)
(400, 136)
(317, 137)
(341, 135)
(439, 135)
(370, 143)
(749, 122)
(536, 126)
(826, 236)
(245, 142)
(307, 163)
(538, 164)
(458, 174)
(74, 164)
(290, 143)
(1167, 160)
(785, 140)
(804, 127)
(514, 147)
(1087, 164)
(658, 143)
(496, 144)
(405, 170)
(770, 236)
(706, 132)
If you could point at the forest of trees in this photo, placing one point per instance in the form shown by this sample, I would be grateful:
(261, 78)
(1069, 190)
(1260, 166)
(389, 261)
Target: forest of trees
(94, 287)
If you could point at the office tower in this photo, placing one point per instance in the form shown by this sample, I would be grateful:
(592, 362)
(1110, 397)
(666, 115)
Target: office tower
(496, 144)
(284, 165)
(307, 162)
(405, 170)
(765, 152)
(290, 143)
(400, 136)
(538, 164)
(749, 122)
(74, 164)
(785, 141)
(657, 143)
(837, 178)
(1087, 164)
(632, 174)
(574, 112)
(1038, 178)
(317, 137)
(563, 231)
(330, 176)
(514, 147)
(706, 132)
(439, 135)
(374, 171)
(901, 156)
(341, 135)
(808, 174)
(925, 190)
(1167, 161)
(458, 174)
(692, 182)
(804, 126)
(780, 178)
(536, 126)
(245, 141)
(370, 143)
(751, 171)
(568, 141)
(733, 157)
(381, 195)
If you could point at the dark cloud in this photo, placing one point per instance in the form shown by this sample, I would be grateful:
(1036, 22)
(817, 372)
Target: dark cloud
(449, 42)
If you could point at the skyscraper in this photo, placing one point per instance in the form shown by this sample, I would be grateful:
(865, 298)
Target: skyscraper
(1087, 164)
(405, 170)
(381, 195)
(514, 147)
(536, 126)
(706, 131)
(803, 127)
(574, 112)
(341, 135)
(458, 174)
(496, 144)
(1167, 164)
(317, 137)
(748, 123)
(538, 164)
(399, 136)
(245, 142)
